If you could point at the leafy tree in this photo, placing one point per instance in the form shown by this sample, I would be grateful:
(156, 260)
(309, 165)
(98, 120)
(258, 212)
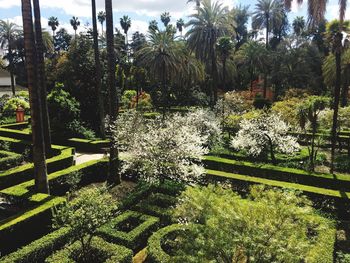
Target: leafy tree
(165, 18)
(309, 112)
(9, 32)
(206, 27)
(75, 23)
(138, 41)
(269, 226)
(266, 133)
(53, 23)
(62, 40)
(84, 214)
(241, 16)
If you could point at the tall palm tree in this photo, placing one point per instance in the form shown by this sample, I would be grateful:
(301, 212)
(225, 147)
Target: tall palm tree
(42, 76)
(299, 25)
(101, 16)
(75, 23)
(316, 11)
(9, 32)
(210, 23)
(40, 171)
(98, 74)
(180, 25)
(153, 25)
(125, 23)
(198, 2)
(266, 12)
(114, 176)
(53, 23)
(224, 47)
(165, 18)
(162, 56)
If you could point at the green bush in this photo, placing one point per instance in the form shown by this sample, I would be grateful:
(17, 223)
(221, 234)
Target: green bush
(103, 252)
(155, 252)
(127, 97)
(9, 160)
(342, 163)
(261, 103)
(134, 238)
(12, 104)
(40, 249)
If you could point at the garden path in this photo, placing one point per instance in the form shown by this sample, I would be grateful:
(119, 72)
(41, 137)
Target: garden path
(87, 157)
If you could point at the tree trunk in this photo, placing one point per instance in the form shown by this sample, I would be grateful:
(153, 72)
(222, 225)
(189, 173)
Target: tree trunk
(267, 47)
(42, 76)
(13, 88)
(345, 91)
(40, 172)
(214, 68)
(114, 176)
(101, 109)
(224, 73)
(338, 43)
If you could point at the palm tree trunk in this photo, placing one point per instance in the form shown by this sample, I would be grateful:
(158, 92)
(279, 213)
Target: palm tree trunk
(114, 176)
(267, 47)
(42, 76)
(224, 73)
(345, 91)
(101, 109)
(13, 88)
(338, 43)
(40, 171)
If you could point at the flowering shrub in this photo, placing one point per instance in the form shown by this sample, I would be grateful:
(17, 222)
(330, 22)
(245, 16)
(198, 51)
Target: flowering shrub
(166, 148)
(232, 103)
(266, 133)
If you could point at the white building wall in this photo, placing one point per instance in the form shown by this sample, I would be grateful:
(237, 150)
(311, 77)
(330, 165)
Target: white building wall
(5, 81)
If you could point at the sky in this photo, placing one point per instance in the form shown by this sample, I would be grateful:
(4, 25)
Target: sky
(140, 11)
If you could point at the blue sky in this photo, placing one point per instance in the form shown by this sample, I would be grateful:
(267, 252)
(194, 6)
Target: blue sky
(141, 11)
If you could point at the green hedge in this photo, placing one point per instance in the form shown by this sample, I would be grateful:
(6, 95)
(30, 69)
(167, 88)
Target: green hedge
(155, 253)
(16, 134)
(157, 204)
(9, 160)
(25, 172)
(134, 239)
(113, 253)
(35, 221)
(29, 224)
(40, 249)
(15, 126)
(88, 145)
(272, 172)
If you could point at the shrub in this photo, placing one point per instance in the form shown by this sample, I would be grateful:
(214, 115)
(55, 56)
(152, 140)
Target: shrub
(261, 103)
(91, 209)
(127, 97)
(12, 104)
(270, 226)
(101, 251)
(287, 109)
(342, 163)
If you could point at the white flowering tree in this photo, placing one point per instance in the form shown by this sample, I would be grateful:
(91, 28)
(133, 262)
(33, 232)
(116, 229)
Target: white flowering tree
(158, 148)
(267, 133)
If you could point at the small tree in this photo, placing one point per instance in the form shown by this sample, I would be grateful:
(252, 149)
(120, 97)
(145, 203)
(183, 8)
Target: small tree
(84, 214)
(266, 133)
(309, 113)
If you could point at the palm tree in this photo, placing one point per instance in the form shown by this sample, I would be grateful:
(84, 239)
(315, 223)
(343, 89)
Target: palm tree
(266, 12)
(180, 25)
(299, 25)
(162, 57)
(101, 110)
(114, 176)
(75, 23)
(224, 47)
(165, 18)
(9, 32)
(42, 76)
(198, 2)
(316, 11)
(125, 23)
(101, 16)
(40, 171)
(207, 26)
(153, 25)
(53, 23)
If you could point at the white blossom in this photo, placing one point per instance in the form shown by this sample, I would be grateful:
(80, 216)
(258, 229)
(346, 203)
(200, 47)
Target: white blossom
(257, 135)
